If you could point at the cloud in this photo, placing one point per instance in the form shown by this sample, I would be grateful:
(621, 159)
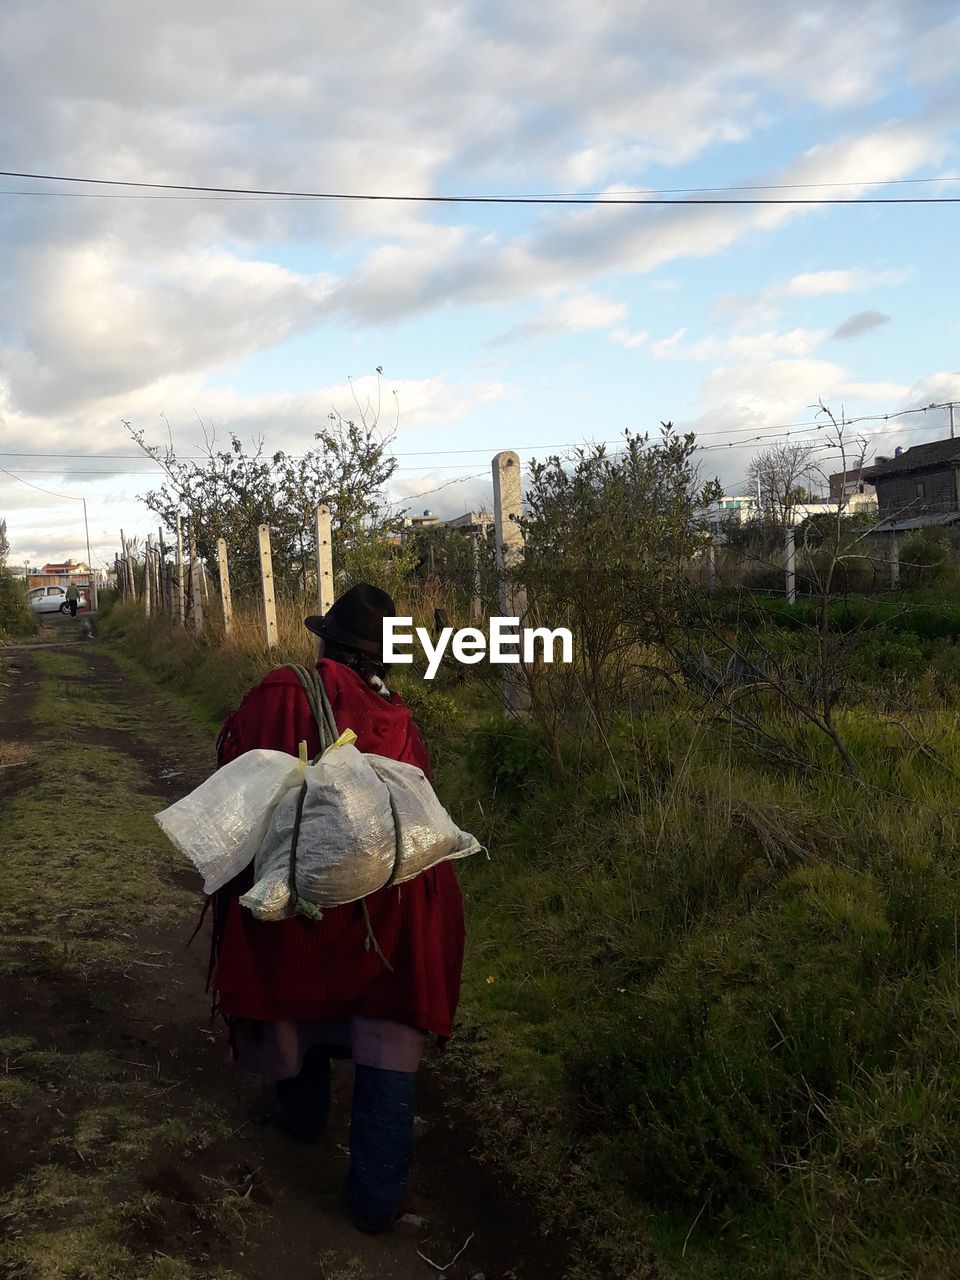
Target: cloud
(115, 308)
(766, 305)
(46, 524)
(816, 284)
(444, 495)
(285, 421)
(572, 248)
(578, 314)
(667, 348)
(97, 322)
(774, 392)
(861, 322)
(741, 347)
(624, 338)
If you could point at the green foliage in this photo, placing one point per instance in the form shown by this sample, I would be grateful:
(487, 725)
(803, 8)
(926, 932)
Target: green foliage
(509, 755)
(929, 616)
(606, 538)
(233, 491)
(439, 715)
(924, 558)
(704, 990)
(16, 617)
(372, 557)
(449, 554)
(711, 990)
(741, 1029)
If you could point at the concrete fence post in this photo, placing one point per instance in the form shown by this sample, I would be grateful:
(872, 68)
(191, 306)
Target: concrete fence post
(711, 557)
(324, 560)
(507, 509)
(148, 578)
(266, 578)
(790, 565)
(196, 607)
(894, 559)
(128, 562)
(477, 602)
(225, 598)
(163, 605)
(181, 585)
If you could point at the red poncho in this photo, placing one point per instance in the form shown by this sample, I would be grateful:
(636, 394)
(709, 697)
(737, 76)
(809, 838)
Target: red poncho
(302, 969)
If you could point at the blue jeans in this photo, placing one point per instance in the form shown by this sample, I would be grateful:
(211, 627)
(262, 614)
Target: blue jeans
(381, 1130)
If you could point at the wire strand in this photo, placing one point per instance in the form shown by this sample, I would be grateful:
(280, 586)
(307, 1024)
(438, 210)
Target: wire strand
(607, 198)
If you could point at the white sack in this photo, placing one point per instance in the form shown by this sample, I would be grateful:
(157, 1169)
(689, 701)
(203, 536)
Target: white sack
(350, 834)
(428, 834)
(220, 825)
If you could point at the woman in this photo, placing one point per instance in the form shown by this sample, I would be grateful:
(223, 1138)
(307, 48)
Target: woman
(298, 992)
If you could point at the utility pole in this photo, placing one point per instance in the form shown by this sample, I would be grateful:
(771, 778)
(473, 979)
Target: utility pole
(94, 598)
(950, 407)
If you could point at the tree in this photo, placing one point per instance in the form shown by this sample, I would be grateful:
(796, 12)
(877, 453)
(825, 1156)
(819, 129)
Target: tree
(776, 475)
(233, 490)
(606, 542)
(4, 543)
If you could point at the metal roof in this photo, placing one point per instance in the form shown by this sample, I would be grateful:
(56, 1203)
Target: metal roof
(917, 522)
(918, 457)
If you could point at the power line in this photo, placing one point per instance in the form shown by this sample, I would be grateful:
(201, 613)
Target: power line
(412, 497)
(68, 496)
(765, 435)
(114, 471)
(443, 453)
(381, 197)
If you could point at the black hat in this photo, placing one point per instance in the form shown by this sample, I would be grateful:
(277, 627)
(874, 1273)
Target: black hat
(356, 619)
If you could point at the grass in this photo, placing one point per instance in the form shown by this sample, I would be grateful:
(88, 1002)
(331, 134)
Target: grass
(85, 871)
(716, 1004)
(710, 1001)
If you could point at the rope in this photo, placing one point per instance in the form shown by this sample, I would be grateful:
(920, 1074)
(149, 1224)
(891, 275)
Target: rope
(319, 704)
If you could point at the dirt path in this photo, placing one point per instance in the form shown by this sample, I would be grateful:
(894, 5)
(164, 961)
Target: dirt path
(134, 1151)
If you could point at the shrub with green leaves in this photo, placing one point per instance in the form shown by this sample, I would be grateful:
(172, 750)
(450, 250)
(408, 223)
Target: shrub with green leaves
(16, 618)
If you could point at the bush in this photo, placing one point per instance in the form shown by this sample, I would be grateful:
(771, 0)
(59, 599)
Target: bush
(16, 616)
(510, 756)
(924, 558)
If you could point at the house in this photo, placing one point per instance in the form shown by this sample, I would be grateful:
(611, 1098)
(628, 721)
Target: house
(729, 511)
(472, 522)
(67, 569)
(917, 487)
(849, 487)
(469, 522)
(426, 521)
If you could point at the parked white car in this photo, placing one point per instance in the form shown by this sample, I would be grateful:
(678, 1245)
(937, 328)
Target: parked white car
(53, 600)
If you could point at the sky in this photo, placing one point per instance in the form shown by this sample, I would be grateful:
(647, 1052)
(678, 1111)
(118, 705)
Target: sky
(531, 327)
